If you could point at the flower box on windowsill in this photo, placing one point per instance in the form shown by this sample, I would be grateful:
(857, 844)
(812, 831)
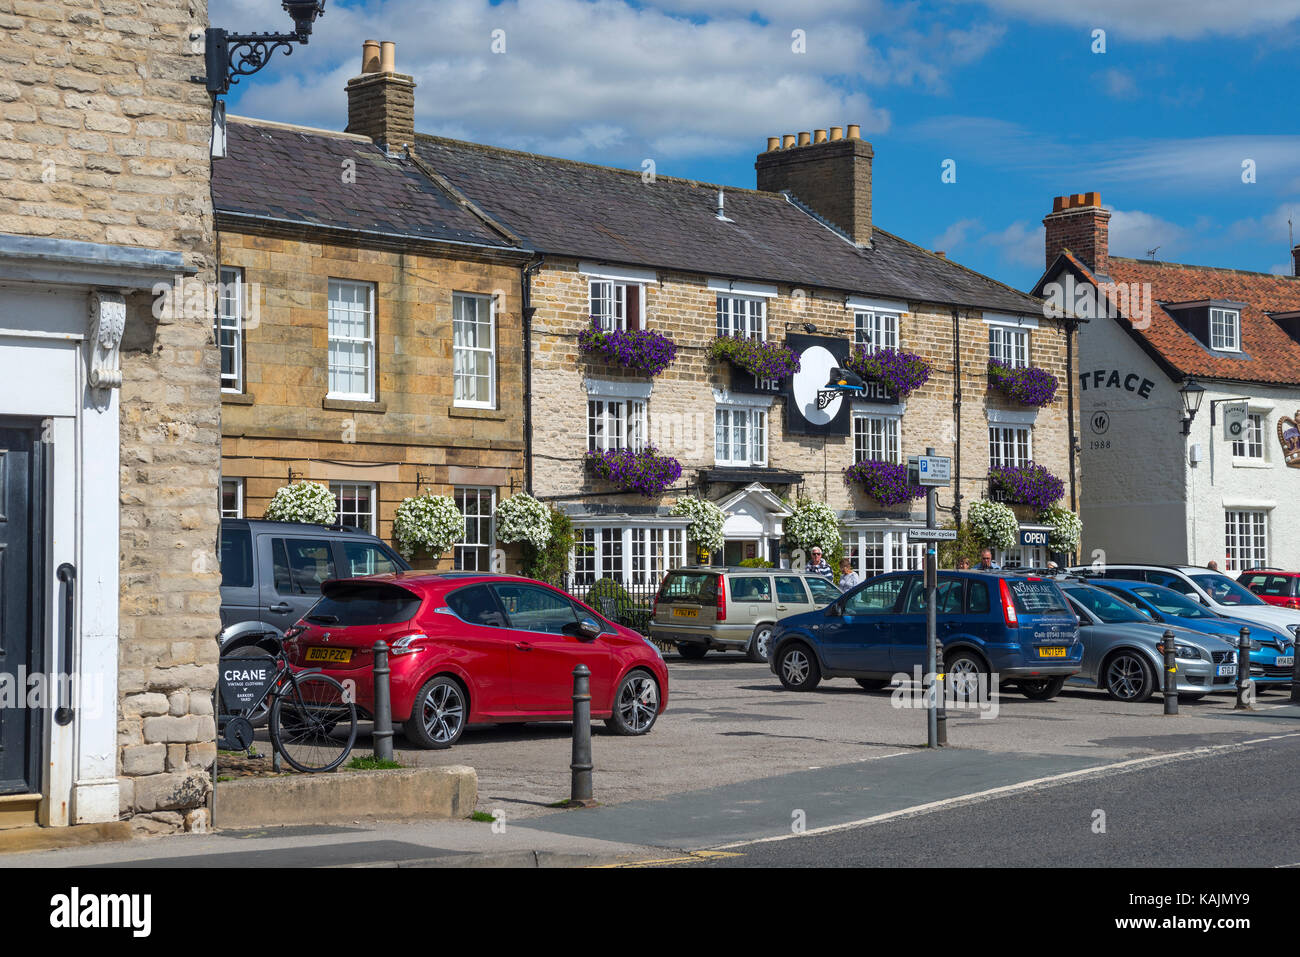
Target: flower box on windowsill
(646, 472)
(763, 360)
(900, 371)
(886, 482)
(641, 350)
(1027, 385)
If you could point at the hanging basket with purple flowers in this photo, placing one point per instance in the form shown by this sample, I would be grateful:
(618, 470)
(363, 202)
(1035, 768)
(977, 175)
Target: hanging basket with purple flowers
(1029, 484)
(1027, 385)
(646, 471)
(901, 371)
(763, 360)
(641, 350)
(886, 482)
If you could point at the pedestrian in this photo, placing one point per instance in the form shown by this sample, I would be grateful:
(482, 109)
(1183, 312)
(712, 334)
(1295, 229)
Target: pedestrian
(987, 564)
(818, 565)
(963, 564)
(1213, 566)
(848, 577)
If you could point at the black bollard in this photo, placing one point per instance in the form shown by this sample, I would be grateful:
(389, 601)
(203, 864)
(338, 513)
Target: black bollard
(1245, 693)
(1171, 673)
(580, 790)
(1295, 672)
(382, 735)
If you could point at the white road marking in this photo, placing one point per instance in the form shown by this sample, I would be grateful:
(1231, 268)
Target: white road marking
(1006, 789)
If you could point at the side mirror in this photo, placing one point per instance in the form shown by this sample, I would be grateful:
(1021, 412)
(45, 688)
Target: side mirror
(588, 630)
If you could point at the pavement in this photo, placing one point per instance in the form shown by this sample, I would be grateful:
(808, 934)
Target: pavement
(738, 763)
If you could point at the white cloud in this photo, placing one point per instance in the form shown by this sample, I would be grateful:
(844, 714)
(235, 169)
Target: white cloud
(1157, 19)
(955, 235)
(1118, 84)
(1133, 233)
(1021, 244)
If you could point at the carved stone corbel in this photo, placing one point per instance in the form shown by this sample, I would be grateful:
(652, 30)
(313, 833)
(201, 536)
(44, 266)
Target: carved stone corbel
(107, 324)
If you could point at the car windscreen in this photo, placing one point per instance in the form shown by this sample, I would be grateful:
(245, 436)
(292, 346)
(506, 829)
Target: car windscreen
(1169, 602)
(694, 588)
(363, 603)
(1037, 598)
(1226, 591)
(1104, 605)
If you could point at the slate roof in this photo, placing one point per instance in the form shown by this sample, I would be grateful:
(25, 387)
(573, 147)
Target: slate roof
(602, 213)
(1268, 354)
(296, 175)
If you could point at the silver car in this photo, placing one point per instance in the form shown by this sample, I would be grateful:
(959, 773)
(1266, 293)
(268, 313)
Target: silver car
(1120, 654)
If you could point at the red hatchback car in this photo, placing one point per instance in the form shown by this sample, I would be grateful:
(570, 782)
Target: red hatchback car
(475, 648)
(1274, 586)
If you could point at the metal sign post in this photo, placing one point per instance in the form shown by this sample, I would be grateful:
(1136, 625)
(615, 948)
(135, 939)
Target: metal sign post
(930, 471)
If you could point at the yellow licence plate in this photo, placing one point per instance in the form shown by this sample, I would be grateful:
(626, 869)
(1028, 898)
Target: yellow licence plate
(686, 613)
(1054, 652)
(329, 654)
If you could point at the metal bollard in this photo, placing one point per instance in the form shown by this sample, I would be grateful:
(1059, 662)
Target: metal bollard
(1171, 673)
(382, 735)
(1295, 672)
(1245, 693)
(941, 713)
(580, 790)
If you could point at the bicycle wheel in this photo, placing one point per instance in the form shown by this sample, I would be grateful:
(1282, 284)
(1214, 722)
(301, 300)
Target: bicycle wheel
(314, 723)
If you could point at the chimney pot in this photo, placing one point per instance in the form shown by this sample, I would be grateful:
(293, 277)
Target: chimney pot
(855, 131)
(370, 56)
(381, 101)
(787, 141)
(835, 183)
(773, 143)
(805, 139)
(819, 136)
(388, 57)
(837, 133)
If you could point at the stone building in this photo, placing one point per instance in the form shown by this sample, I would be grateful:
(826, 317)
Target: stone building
(371, 329)
(109, 415)
(1158, 488)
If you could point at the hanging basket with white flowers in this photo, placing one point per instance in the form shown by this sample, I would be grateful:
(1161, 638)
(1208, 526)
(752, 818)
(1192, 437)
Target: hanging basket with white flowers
(521, 518)
(428, 523)
(706, 522)
(302, 502)
(993, 523)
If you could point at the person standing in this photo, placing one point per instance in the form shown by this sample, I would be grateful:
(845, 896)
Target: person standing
(848, 577)
(818, 564)
(963, 564)
(987, 564)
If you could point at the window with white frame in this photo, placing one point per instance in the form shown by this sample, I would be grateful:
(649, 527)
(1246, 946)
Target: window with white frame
(639, 555)
(1009, 346)
(905, 555)
(354, 504)
(474, 551)
(1225, 330)
(875, 330)
(1251, 444)
(615, 423)
(1245, 540)
(742, 316)
(232, 498)
(351, 339)
(230, 328)
(875, 551)
(1010, 445)
(616, 305)
(474, 351)
(1021, 556)
(875, 437)
(740, 435)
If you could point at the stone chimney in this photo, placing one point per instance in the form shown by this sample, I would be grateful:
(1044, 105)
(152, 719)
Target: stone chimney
(1079, 224)
(830, 175)
(381, 101)
(1295, 261)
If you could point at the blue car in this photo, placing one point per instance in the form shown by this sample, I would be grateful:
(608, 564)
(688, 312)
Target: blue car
(1270, 651)
(1016, 627)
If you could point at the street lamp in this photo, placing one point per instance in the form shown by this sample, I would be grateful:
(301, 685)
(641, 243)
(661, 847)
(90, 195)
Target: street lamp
(228, 56)
(1192, 395)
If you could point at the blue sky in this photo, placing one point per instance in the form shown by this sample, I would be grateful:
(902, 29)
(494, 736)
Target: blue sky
(1011, 90)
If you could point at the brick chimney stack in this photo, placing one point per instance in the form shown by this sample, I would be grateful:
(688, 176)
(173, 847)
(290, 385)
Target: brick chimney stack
(1295, 261)
(381, 101)
(830, 174)
(1079, 224)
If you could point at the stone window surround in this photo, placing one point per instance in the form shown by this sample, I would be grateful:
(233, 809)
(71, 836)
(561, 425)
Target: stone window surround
(626, 276)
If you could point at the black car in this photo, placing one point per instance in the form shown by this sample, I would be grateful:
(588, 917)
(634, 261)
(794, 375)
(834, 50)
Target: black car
(271, 572)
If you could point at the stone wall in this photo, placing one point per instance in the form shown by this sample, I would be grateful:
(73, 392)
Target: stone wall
(103, 138)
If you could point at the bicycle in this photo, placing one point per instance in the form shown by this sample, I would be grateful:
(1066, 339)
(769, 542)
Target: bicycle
(312, 718)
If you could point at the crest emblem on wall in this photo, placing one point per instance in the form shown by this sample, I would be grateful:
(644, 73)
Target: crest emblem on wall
(1288, 435)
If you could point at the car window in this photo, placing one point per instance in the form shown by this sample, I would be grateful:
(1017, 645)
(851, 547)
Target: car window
(750, 589)
(1037, 597)
(236, 558)
(948, 595)
(977, 597)
(1105, 606)
(695, 588)
(1168, 580)
(1226, 591)
(1169, 602)
(790, 588)
(301, 564)
(364, 604)
(533, 608)
(363, 558)
(823, 591)
(877, 598)
(1275, 586)
(477, 605)
(1132, 574)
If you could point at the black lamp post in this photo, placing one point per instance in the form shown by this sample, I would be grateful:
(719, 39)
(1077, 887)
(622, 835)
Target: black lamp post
(229, 56)
(1192, 394)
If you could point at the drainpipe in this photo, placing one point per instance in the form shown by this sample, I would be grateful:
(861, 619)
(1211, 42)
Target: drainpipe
(1070, 329)
(526, 316)
(956, 414)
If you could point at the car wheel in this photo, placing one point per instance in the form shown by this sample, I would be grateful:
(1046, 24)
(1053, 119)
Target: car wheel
(1128, 677)
(438, 714)
(636, 704)
(871, 684)
(797, 668)
(760, 644)
(966, 674)
(1043, 689)
(692, 651)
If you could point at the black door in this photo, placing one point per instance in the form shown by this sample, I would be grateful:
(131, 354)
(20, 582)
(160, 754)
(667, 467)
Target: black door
(21, 600)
